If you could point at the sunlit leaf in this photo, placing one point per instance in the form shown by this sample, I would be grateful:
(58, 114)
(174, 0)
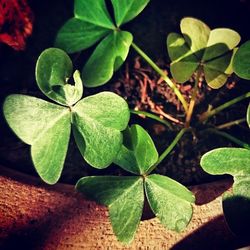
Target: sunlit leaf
(214, 78)
(233, 161)
(124, 197)
(177, 47)
(107, 58)
(241, 61)
(127, 10)
(198, 46)
(236, 205)
(196, 34)
(53, 69)
(140, 155)
(220, 41)
(170, 201)
(98, 121)
(46, 127)
(49, 151)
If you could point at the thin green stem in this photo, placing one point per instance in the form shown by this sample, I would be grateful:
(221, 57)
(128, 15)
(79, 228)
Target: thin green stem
(229, 137)
(193, 99)
(168, 149)
(170, 83)
(230, 124)
(206, 115)
(152, 116)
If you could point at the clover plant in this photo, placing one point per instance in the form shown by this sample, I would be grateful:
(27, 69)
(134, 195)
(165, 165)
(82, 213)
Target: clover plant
(199, 47)
(99, 123)
(236, 204)
(200, 51)
(235, 162)
(91, 24)
(124, 195)
(197, 50)
(96, 121)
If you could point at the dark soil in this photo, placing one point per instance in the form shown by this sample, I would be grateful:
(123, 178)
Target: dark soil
(137, 83)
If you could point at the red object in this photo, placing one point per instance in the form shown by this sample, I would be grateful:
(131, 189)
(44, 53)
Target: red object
(16, 23)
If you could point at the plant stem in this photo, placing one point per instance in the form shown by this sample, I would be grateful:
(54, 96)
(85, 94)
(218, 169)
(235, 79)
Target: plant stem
(193, 99)
(230, 124)
(206, 115)
(152, 116)
(170, 83)
(168, 149)
(229, 137)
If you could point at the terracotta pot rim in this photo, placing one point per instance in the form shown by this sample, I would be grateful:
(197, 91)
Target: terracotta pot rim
(29, 205)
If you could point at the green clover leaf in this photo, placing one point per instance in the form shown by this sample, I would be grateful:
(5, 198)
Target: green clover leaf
(248, 115)
(53, 70)
(236, 205)
(124, 195)
(45, 126)
(92, 24)
(198, 46)
(170, 201)
(241, 61)
(97, 120)
(139, 154)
